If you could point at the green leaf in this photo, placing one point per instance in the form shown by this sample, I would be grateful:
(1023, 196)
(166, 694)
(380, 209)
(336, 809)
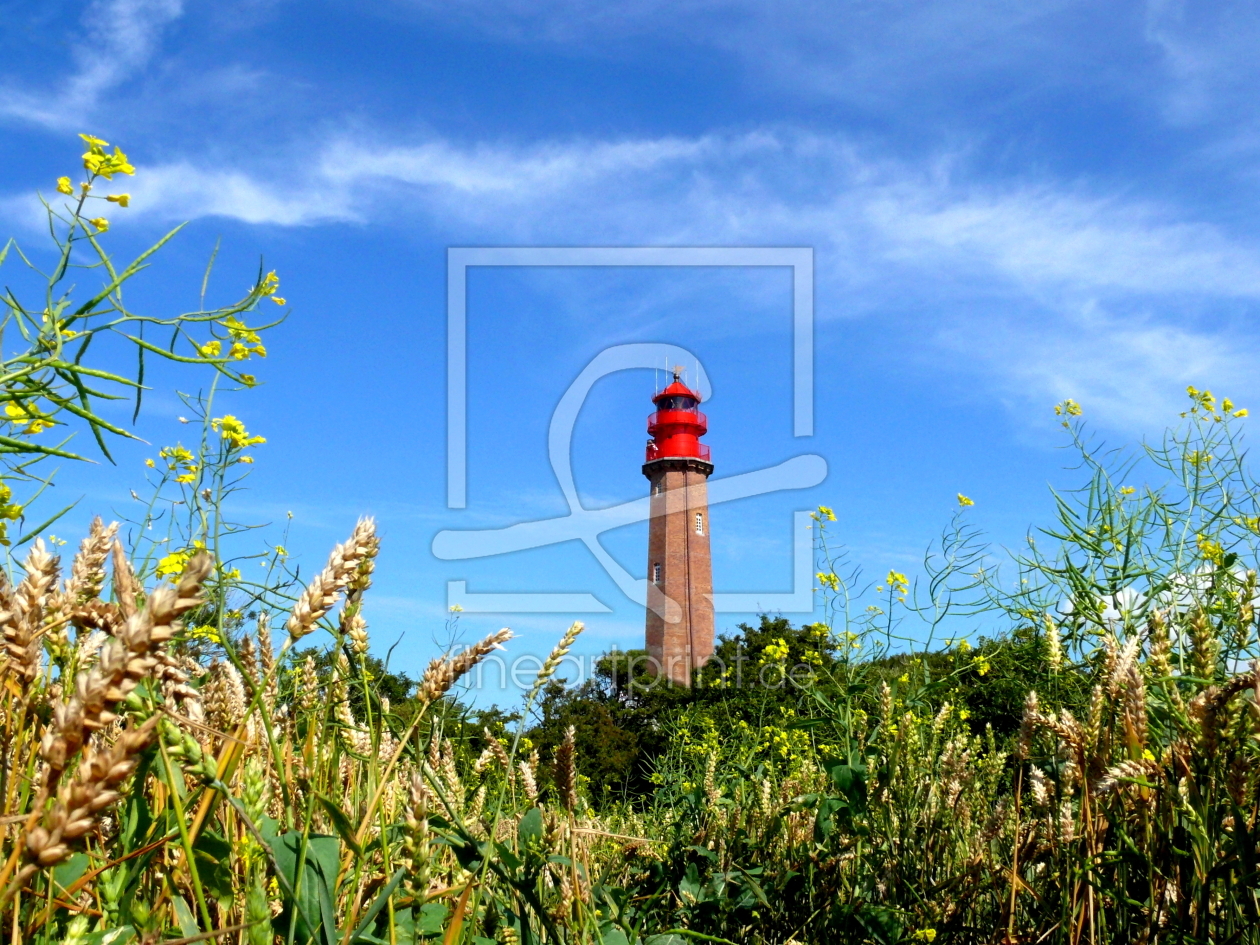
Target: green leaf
(432, 918)
(531, 829)
(66, 873)
(341, 823)
(214, 864)
(119, 936)
(881, 924)
(690, 887)
(45, 524)
(379, 903)
(183, 915)
(311, 906)
(850, 780)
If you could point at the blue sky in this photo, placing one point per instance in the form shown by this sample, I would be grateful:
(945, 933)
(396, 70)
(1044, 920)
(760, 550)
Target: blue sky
(1010, 203)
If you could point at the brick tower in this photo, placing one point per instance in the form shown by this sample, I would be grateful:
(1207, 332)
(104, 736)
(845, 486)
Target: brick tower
(680, 575)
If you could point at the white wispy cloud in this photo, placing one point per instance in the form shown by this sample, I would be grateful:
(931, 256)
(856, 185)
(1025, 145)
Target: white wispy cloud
(1057, 289)
(119, 38)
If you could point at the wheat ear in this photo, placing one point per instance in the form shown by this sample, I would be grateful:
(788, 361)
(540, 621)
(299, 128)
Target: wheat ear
(553, 660)
(23, 613)
(443, 673)
(124, 661)
(342, 567)
(79, 804)
(87, 572)
(566, 771)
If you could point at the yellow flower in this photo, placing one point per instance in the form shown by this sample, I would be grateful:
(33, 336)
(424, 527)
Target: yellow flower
(964, 714)
(964, 501)
(150, 463)
(210, 349)
(270, 283)
(1241, 412)
(205, 632)
(96, 161)
(1127, 490)
(64, 186)
(239, 330)
(983, 665)
(456, 609)
(100, 223)
(35, 421)
(924, 935)
(246, 459)
(826, 513)
(122, 200)
(278, 300)
(831, 581)
(1211, 550)
(897, 582)
(233, 430)
(172, 565)
(248, 380)
(1068, 407)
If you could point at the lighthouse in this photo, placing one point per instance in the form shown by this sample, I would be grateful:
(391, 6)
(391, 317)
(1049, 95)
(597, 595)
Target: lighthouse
(680, 575)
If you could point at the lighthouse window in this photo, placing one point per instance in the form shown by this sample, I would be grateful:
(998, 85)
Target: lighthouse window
(656, 487)
(656, 573)
(677, 403)
(699, 523)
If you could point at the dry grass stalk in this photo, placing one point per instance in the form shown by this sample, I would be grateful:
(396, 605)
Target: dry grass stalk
(342, 567)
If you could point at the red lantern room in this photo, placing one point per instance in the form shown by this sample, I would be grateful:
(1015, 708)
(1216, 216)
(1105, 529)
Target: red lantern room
(678, 424)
